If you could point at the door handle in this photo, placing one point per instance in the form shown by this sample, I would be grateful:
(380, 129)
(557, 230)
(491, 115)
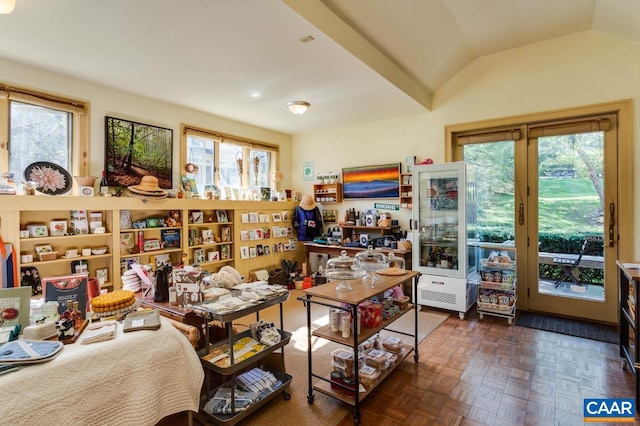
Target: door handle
(521, 214)
(612, 223)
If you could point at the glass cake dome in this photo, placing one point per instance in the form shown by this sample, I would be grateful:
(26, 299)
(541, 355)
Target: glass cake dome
(372, 260)
(343, 269)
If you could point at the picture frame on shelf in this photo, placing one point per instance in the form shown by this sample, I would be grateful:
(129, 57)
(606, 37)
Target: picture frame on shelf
(285, 215)
(225, 252)
(266, 249)
(277, 217)
(221, 215)
(197, 216)
(252, 252)
(244, 217)
(189, 185)
(15, 306)
(259, 250)
(264, 218)
(198, 255)
(244, 252)
(225, 234)
(129, 138)
(207, 236)
(244, 235)
(253, 217)
(213, 256)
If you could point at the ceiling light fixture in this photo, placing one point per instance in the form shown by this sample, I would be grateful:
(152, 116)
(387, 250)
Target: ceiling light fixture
(298, 107)
(7, 6)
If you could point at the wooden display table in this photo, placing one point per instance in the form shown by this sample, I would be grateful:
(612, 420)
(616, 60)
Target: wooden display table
(334, 251)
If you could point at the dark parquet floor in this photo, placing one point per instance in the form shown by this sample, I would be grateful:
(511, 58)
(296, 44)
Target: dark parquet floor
(486, 372)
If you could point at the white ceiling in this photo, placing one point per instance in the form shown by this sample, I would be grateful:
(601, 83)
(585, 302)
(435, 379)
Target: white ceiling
(369, 60)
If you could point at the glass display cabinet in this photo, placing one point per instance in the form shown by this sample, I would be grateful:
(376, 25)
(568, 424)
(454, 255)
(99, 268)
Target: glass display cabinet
(444, 222)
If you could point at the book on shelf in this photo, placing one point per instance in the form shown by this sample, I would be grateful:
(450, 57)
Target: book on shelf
(170, 238)
(64, 288)
(79, 222)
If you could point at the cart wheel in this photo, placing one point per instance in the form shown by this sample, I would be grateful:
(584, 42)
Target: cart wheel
(461, 315)
(286, 395)
(481, 315)
(310, 399)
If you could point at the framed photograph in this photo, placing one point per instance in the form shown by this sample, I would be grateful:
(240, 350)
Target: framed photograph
(222, 216)
(225, 234)
(213, 256)
(15, 306)
(148, 147)
(252, 252)
(189, 185)
(382, 181)
(259, 250)
(197, 216)
(277, 217)
(307, 170)
(244, 252)
(265, 193)
(267, 250)
(244, 235)
(244, 217)
(207, 236)
(225, 252)
(253, 217)
(198, 255)
(285, 215)
(264, 218)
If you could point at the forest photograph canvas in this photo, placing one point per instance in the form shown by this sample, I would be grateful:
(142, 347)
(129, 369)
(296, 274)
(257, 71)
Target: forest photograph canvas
(134, 150)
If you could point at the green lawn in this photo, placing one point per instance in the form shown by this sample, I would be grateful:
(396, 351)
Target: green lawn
(567, 207)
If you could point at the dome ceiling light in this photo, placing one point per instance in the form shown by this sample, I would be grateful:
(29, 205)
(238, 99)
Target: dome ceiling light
(298, 107)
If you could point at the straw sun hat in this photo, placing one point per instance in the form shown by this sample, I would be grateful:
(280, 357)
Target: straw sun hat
(149, 187)
(307, 202)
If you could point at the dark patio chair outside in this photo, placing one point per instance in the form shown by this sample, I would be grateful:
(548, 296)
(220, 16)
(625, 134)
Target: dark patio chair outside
(570, 264)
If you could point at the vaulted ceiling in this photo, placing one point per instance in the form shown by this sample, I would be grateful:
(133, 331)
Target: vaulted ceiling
(354, 61)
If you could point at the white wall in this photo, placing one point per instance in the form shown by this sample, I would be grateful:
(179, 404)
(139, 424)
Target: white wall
(106, 101)
(581, 69)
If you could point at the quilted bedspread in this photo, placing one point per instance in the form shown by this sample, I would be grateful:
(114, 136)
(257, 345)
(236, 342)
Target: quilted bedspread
(135, 379)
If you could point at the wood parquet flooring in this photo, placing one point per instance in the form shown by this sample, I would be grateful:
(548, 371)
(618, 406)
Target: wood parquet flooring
(486, 372)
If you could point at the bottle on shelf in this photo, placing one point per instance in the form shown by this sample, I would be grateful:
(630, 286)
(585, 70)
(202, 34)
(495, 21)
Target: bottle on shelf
(67, 313)
(104, 183)
(76, 316)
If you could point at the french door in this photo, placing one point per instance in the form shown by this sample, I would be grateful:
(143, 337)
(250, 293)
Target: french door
(572, 203)
(546, 186)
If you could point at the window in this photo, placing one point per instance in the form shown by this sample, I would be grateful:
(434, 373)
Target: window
(42, 127)
(239, 168)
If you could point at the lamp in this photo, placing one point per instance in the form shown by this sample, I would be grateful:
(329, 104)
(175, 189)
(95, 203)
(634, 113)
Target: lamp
(298, 107)
(7, 6)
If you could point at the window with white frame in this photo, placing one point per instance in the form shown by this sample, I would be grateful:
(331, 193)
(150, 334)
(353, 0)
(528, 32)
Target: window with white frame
(238, 168)
(36, 126)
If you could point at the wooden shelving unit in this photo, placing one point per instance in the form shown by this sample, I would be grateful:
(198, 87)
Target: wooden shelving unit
(406, 190)
(327, 192)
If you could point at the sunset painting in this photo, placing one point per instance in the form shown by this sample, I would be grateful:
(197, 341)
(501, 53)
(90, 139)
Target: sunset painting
(372, 181)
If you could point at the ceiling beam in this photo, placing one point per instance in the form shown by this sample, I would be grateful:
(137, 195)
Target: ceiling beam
(325, 20)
